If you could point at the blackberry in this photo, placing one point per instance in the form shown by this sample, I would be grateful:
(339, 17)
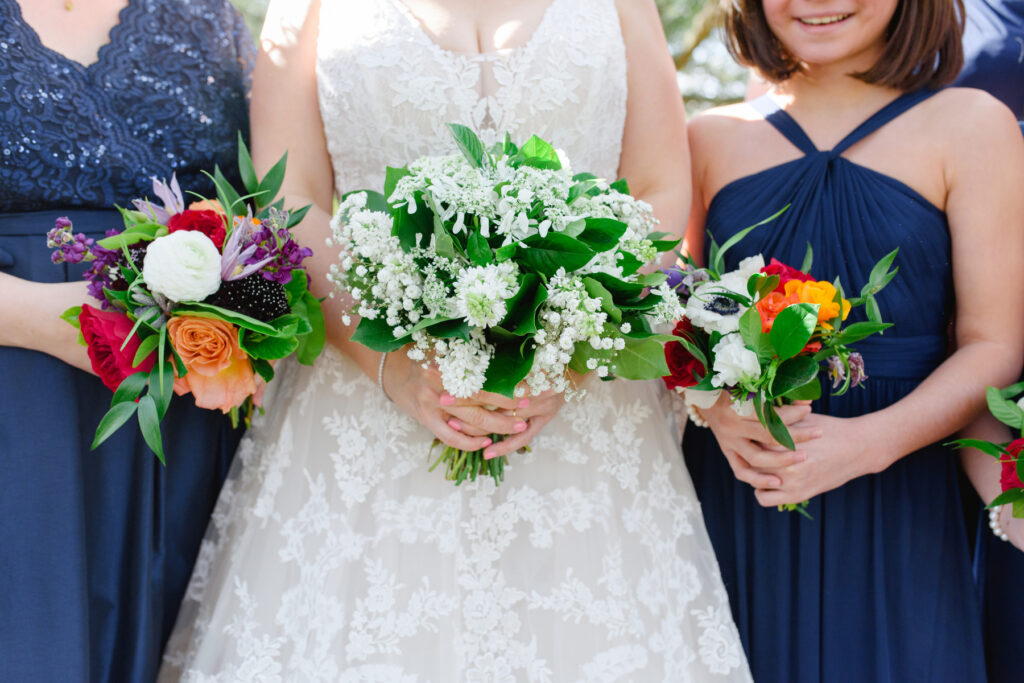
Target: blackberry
(137, 252)
(254, 296)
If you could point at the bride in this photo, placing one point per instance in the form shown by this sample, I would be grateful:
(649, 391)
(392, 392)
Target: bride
(333, 555)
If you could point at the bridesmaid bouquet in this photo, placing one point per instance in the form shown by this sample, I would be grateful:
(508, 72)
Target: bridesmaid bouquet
(1007, 406)
(194, 300)
(503, 269)
(761, 333)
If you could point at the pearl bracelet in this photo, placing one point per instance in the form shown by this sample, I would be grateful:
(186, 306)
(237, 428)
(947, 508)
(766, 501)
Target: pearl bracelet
(380, 375)
(993, 523)
(695, 416)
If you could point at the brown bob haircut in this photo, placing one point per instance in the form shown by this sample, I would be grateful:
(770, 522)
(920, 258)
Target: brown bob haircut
(923, 47)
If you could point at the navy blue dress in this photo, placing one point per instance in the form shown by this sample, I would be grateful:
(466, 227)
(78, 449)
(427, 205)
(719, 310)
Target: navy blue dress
(878, 586)
(994, 61)
(96, 547)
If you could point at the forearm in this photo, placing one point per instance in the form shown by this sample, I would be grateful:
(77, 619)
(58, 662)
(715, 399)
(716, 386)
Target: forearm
(946, 402)
(983, 470)
(30, 318)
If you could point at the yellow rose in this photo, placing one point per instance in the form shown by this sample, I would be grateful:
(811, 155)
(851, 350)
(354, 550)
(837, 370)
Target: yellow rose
(823, 294)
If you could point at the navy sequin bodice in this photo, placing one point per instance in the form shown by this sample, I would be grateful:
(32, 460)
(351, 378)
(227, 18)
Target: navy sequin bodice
(166, 95)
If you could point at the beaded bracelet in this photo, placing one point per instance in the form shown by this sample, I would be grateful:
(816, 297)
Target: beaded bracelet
(380, 375)
(695, 416)
(993, 523)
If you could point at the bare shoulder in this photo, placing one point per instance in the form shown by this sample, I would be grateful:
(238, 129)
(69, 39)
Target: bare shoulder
(639, 20)
(969, 118)
(711, 129)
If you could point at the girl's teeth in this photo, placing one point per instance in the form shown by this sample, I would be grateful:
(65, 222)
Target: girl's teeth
(818, 21)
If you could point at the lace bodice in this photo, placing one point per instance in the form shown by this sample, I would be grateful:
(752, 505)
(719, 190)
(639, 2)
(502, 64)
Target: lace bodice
(153, 103)
(387, 90)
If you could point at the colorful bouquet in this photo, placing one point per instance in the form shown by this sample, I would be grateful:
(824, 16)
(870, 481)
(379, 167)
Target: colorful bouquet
(196, 300)
(1007, 406)
(761, 332)
(504, 270)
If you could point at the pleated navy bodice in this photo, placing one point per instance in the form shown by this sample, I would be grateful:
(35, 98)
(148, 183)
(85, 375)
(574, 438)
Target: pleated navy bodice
(877, 587)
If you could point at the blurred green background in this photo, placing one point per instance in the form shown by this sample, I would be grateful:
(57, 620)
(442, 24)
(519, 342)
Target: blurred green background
(707, 75)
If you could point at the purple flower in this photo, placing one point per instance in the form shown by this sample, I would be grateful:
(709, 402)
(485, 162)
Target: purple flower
(857, 373)
(169, 194)
(68, 246)
(836, 370)
(683, 279)
(276, 254)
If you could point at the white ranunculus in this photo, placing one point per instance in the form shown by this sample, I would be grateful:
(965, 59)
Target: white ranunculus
(734, 362)
(183, 266)
(749, 266)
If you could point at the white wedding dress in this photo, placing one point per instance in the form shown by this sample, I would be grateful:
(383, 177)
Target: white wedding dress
(334, 555)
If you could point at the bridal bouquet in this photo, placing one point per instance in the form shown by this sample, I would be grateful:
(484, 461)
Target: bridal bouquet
(503, 269)
(196, 300)
(761, 333)
(1007, 406)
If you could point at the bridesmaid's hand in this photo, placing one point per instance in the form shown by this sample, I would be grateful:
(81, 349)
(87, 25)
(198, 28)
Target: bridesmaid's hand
(30, 318)
(847, 449)
(753, 454)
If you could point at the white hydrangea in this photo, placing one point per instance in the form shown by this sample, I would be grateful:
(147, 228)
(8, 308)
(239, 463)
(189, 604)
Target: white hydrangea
(734, 362)
(481, 291)
(182, 266)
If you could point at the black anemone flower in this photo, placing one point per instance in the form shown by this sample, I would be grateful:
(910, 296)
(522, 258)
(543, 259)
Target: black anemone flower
(722, 305)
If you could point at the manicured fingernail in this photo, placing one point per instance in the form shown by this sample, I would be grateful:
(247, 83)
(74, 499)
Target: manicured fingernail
(524, 403)
(519, 427)
(454, 424)
(490, 453)
(487, 442)
(447, 399)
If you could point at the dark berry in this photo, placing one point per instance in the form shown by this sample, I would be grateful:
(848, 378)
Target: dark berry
(253, 296)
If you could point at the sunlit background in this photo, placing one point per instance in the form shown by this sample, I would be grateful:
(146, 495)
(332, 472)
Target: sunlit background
(707, 75)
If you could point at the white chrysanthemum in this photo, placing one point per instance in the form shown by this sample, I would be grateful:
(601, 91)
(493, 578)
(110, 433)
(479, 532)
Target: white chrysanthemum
(463, 366)
(734, 362)
(481, 292)
(182, 266)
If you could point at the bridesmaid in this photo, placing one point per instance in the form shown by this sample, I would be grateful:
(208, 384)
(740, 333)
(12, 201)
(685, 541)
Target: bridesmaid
(856, 138)
(994, 61)
(97, 547)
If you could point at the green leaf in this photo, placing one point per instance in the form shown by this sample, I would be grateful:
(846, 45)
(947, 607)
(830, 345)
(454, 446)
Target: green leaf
(620, 186)
(1005, 411)
(312, 343)
(986, 447)
(662, 246)
(391, 177)
(767, 285)
(507, 369)
(444, 245)
(506, 252)
(378, 336)
(620, 289)
(470, 146)
(112, 421)
(1006, 497)
(777, 428)
(149, 423)
(129, 388)
(146, 347)
(271, 183)
(808, 392)
(871, 309)
(449, 329)
(478, 249)
(602, 234)
(1012, 390)
(546, 255)
(521, 318)
(162, 389)
(640, 359)
(70, 316)
(793, 328)
(411, 228)
(793, 374)
(201, 310)
(652, 279)
(718, 261)
(245, 167)
(881, 275)
(226, 194)
(750, 328)
(857, 331)
(261, 346)
(540, 154)
(629, 263)
(597, 291)
(140, 233)
(808, 259)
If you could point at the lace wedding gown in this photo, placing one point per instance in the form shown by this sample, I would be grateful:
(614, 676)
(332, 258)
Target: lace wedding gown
(333, 555)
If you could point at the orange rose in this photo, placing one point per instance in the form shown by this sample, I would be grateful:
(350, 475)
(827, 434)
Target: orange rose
(771, 305)
(219, 374)
(821, 293)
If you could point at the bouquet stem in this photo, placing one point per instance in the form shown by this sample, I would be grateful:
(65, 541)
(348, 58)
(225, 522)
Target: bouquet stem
(462, 465)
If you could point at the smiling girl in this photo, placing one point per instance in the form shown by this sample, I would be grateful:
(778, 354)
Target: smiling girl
(857, 137)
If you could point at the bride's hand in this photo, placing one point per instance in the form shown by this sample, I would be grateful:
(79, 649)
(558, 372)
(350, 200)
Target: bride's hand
(465, 424)
(752, 452)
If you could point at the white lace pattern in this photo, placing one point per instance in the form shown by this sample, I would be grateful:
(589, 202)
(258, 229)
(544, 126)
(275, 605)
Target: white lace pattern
(333, 555)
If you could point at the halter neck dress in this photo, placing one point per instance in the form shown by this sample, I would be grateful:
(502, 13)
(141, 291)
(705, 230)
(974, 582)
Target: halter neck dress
(96, 547)
(877, 587)
(994, 62)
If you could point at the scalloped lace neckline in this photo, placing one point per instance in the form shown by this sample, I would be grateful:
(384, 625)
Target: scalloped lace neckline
(112, 34)
(417, 25)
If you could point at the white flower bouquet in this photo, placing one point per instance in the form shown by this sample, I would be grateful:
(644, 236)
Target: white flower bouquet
(504, 270)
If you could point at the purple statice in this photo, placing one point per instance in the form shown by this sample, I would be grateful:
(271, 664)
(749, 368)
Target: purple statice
(276, 249)
(69, 246)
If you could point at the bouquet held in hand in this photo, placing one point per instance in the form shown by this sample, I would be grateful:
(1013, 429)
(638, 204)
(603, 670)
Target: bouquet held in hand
(504, 270)
(195, 299)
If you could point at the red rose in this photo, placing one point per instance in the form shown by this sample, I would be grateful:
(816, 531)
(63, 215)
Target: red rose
(1010, 480)
(682, 365)
(210, 223)
(785, 273)
(105, 332)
